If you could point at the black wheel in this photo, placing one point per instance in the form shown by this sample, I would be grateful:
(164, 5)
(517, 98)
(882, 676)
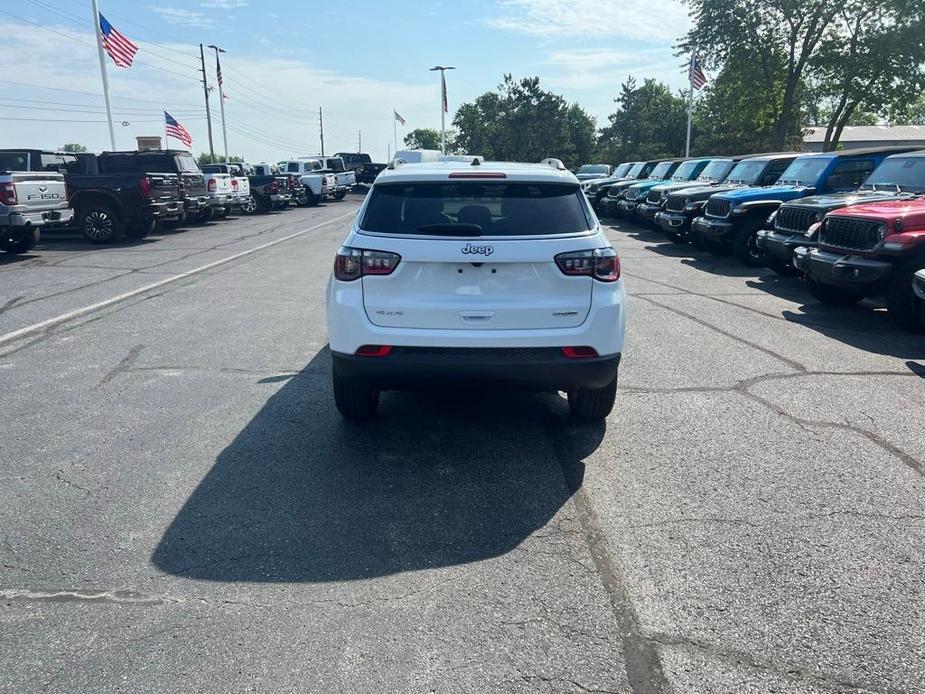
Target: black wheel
(745, 247)
(20, 240)
(313, 200)
(140, 228)
(593, 403)
(249, 204)
(302, 199)
(355, 400)
(340, 195)
(832, 296)
(779, 266)
(905, 308)
(98, 222)
(205, 215)
(262, 205)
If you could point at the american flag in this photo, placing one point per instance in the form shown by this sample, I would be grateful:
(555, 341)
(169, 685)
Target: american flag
(218, 71)
(695, 73)
(174, 129)
(398, 117)
(443, 90)
(119, 48)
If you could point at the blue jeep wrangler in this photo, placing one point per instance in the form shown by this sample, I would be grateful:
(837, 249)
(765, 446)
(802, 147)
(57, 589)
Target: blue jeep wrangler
(733, 219)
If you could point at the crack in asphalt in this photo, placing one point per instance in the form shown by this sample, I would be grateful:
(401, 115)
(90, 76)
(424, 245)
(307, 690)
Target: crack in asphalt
(124, 365)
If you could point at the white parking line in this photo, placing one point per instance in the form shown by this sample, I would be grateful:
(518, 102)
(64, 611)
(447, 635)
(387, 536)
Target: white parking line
(76, 313)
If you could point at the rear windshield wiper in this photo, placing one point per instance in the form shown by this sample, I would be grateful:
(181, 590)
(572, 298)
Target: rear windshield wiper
(451, 229)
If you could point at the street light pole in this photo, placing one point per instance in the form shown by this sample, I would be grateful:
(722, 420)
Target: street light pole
(221, 94)
(443, 102)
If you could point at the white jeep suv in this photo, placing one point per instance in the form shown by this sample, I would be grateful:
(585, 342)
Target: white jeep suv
(485, 274)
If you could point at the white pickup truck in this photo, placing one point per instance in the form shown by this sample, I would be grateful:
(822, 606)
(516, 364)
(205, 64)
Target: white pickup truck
(345, 180)
(318, 184)
(219, 193)
(28, 200)
(240, 184)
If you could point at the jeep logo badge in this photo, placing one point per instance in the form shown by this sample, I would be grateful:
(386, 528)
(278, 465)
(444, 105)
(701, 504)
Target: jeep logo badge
(469, 249)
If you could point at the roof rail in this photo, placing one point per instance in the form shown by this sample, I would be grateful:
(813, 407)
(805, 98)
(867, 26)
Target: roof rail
(554, 163)
(395, 163)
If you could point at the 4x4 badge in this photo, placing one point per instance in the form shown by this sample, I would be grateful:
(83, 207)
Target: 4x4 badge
(469, 249)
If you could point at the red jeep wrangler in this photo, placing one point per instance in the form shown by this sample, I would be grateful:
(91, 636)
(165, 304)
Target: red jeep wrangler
(867, 250)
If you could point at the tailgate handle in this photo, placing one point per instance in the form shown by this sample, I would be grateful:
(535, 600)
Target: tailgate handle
(477, 316)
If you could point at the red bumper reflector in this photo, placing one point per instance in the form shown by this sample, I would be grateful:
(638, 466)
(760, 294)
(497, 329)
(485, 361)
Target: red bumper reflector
(579, 352)
(374, 351)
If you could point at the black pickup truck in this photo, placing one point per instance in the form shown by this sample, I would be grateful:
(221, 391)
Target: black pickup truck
(362, 165)
(108, 205)
(191, 188)
(269, 189)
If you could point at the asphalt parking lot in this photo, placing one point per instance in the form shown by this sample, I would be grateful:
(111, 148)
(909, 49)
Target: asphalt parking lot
(182, 509)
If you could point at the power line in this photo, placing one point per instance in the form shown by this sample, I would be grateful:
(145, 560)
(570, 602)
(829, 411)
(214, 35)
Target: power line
(97, 94)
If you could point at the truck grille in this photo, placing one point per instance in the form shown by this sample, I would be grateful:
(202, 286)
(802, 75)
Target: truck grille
(855, 234)
(631, 194)
(675, 203)
(717, 207)
(794, 219)
(654, 197)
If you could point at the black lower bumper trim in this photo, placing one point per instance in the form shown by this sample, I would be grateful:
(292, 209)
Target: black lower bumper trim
(782, 246)
(534, 368)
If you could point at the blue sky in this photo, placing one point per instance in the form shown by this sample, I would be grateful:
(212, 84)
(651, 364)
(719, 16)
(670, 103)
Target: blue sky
(358, 59)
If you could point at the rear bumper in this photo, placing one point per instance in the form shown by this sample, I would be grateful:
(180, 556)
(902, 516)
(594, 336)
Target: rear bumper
(160, 210)
(280, 197)
(842, 270)
(37, 218)
(219, 200)
(195, 204)
(782, 246)
(532, 368)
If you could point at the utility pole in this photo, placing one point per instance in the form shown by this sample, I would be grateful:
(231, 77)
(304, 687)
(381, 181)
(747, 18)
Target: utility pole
(443, 103)
(221, 95)
(321, 125)
(359, 140)
(205, 90)
(99, 45)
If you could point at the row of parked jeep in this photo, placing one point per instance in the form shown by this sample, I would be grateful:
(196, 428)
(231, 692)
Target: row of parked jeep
(116, 195)
(851, 222)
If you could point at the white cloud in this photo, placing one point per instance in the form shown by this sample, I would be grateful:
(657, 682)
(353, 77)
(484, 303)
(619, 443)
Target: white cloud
(174, 15)
(224, 4)
(659, 21)
(588, 68)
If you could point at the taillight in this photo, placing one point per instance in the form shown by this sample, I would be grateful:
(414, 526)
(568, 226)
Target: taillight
(601, 263)
(273, 187)
(234, 184)
(324, 180)
(8, 193)
(374, 351)
(212, 185)
(146, 187)
(353, 263)
(579, 352)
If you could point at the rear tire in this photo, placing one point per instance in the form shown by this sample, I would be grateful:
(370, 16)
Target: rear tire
(832, 296)
(355, 400)
(593, 403)
(904, 307)
(340, 195)
(22, 242)
(99, 224)
(249, 205)
(205, 215)
(140, 228)
(303, 199)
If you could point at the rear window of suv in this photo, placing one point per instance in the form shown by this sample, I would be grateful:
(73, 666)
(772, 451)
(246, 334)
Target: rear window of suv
(498, 209)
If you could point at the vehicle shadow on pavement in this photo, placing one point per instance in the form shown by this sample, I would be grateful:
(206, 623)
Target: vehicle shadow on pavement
(437, 479)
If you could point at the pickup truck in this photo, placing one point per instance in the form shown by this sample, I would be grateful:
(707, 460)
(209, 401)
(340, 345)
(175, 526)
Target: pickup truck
(684, 205)
(586, 172)
(28, 200)
(344, 179)
(636, 192)
(220, 194)
(653, 193)
(362, 166)
(107, 205)
(868, 250)
(595, 188)
(269, 190)
(795, 224)
(316, 184)
(240, 185)
(191, 189)
(732, 220)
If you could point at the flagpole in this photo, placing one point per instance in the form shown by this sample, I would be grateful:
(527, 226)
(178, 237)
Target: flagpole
(690, 104)
(99, 46)
(395, 128)
(221, 95)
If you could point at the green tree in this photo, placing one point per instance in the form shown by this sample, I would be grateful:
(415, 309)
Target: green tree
(425, 138)
(649, 122)
(74, 147)
(206, 158)
(869, 62)
(521, 121)
(779, 37)
(913, 113)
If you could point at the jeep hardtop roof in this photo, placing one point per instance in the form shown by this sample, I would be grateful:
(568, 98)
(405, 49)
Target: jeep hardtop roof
(772, 155)
(442, 171)
(861, 152)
